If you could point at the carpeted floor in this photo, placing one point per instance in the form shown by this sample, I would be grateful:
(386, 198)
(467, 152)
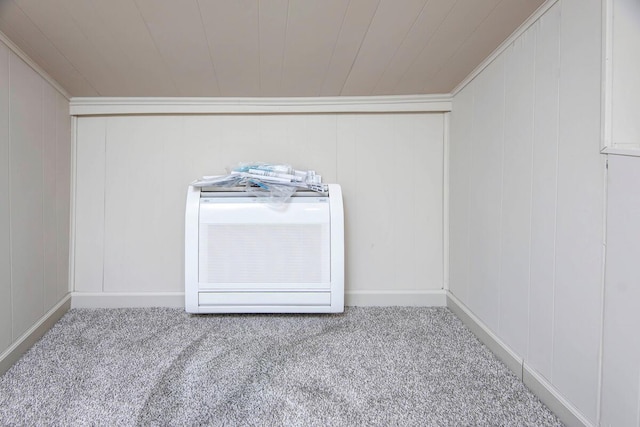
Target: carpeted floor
(391, 366)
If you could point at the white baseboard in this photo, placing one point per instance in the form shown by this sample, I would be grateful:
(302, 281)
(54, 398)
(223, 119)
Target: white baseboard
(126, 299)
(484, 334)
(435, 298)
(567, 413)
(548, 394)
(33, 334)
(431, 298)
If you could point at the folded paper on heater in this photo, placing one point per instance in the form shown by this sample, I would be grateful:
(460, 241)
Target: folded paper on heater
(276, 181)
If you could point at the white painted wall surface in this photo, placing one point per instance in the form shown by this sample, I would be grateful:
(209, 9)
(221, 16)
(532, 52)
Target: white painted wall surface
(133, 173)
(35, 159)
(527, 197)
(6, 314)
(621, 340)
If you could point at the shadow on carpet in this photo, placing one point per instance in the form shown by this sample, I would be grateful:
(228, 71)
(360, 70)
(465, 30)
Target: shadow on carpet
(370, 366)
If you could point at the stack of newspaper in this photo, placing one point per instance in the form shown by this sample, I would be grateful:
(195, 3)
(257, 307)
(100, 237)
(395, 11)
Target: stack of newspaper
(274, 179)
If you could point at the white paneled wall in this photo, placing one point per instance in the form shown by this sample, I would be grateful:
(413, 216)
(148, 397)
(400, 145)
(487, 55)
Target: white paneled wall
(515, 214)
(527, 196)
(26, 188)
(485, 196)
(579, 211)
(544, 168)
(621, 346)
(35, 158)
(133, 173)
(6, 333)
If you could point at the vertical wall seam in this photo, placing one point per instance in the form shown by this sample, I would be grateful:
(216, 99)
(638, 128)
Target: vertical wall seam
(57, 196)
(104, 202)
(606, 106)
(55, 189)
(9, 163)
(603, 287)
(472, 87)
(71, 285)
(445, 200)
(536, 27)
(504, 120)
(555, 213)
(42, 183)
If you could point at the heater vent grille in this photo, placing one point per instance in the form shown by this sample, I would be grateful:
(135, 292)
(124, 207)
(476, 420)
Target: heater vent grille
(264, 253)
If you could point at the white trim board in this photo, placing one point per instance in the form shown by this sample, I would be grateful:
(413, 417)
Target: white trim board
(126, 299)
(484, 334)
(22, 55)
(504, 45)
(606, 105)
(607, 144)
(633, 152)
(33, 334)
(428, 298)
(434, 298)
(82, 106)
(546, 392)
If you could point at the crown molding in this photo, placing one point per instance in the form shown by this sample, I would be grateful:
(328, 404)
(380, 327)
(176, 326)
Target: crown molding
(83, 106)
(504, 45)
(22, 55)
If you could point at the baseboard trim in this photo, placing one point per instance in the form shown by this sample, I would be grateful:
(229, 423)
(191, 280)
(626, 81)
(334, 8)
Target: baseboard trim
(434, 298)
(484, 334)
(127, 299)
(548, 394)
(33, 334)
(538, 385)
(431, 298)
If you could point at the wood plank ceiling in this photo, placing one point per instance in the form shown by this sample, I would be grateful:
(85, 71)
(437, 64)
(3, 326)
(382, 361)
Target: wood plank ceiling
(235, 48)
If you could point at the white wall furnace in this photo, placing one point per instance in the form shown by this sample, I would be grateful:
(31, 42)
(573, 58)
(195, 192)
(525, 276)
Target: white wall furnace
(248, 254)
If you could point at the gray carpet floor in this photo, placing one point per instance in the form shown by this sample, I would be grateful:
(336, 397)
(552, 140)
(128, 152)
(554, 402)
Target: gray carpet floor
(395, 366)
